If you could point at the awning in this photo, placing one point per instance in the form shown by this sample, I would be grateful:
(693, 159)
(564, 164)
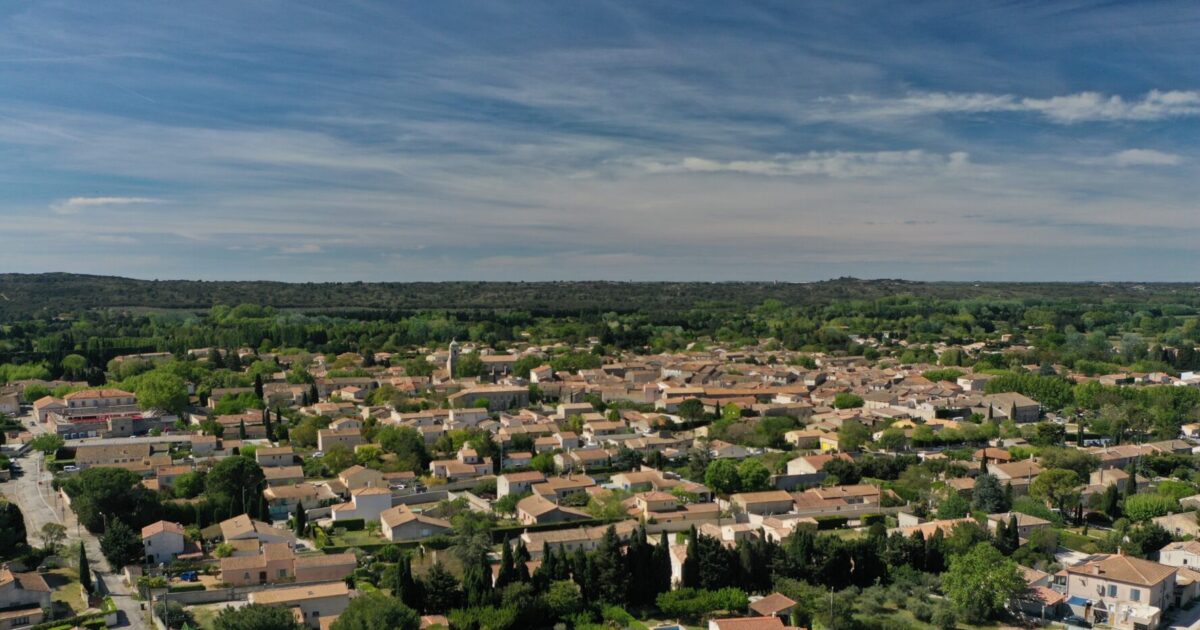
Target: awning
(1076, 600)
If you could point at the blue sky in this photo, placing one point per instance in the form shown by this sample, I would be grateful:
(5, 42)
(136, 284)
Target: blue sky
(601, 140)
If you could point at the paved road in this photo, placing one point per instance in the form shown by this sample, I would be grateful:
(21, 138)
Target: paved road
(40, 505)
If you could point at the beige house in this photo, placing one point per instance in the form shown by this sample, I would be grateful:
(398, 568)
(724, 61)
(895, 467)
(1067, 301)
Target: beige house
(277, 562)
(315, 602)
(537, 510)
(517, 483)
(269, 457)
(163, 541)
(23, 596)
(1120, 591)
(357, 476)
(1026, 524)
(365, 503)
(401, 523)
(346, 437)
(769, 502)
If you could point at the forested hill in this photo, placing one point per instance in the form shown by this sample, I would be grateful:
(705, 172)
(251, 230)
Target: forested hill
(31, 294)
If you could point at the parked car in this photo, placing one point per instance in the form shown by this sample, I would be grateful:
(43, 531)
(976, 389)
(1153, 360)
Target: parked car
(1077, 622)
(70, 468)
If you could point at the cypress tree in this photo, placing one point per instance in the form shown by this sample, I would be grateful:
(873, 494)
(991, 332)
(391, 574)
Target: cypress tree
(691, 564)
(314, 396)
(241, 429)
(258, 386)
(266, 420)
(301, 520)
(405, 587)
(1014, 532)
(1008, 495)
(507, 573)
(662, 565)
(521, 559)
(1002, 538)
(85, 570)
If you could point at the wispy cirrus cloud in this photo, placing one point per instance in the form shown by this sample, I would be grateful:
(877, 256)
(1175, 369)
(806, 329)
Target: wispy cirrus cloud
(76, 204)
(1066, 109)
(837, 164)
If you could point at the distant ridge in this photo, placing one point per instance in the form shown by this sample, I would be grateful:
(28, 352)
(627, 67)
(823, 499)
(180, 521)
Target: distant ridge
(52, 293)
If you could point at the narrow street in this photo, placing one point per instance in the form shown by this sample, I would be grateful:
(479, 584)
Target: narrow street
(40, 504)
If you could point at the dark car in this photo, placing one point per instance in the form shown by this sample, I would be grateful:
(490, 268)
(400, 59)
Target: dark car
(1078, 622)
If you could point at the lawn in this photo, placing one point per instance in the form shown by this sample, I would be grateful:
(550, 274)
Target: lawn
(356, 538)
(65, 584)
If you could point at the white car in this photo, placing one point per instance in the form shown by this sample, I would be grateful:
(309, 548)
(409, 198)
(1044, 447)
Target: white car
(70, 468)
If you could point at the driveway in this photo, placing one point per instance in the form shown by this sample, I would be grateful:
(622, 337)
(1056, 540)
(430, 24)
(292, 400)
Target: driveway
(1186, 620)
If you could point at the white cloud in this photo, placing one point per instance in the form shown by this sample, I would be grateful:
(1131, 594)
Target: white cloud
(1145, 157)
(1066, 109)
(837, 164)
(301, 248)
(75, 204)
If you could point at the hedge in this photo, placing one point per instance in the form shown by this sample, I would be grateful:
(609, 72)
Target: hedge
(871, 519)
(351, 524)
(186, 588)
(831, 522)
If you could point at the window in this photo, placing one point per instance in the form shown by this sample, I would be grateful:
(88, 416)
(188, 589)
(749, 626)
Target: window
(1112, 590)
(1135, 595)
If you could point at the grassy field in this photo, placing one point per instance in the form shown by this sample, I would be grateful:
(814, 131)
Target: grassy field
(65, 584)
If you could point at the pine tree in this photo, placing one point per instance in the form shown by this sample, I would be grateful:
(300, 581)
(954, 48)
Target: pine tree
(301, 520)
(85, 570)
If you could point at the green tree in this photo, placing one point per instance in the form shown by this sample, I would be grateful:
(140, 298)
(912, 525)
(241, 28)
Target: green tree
(161, 390)
(981, 582)
(376, 611)
(85, 569)
(53, 535)
(563, 599)
(722, 476)
(988, 496)
(691, 409)
(189, 485)
(753, 476)
(853, 435)
(99, 493)
(407, 444)
(953, 506)
(74, 366)
(1143, 507)
(13, 538)
(1059, 486)
(234, 485)
(48, 443)
(442, 591)
(256, 617)
(120, 545)
(845, 400)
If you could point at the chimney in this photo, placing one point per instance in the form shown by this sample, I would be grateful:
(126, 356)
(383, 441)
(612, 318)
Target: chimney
(1095, 569)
